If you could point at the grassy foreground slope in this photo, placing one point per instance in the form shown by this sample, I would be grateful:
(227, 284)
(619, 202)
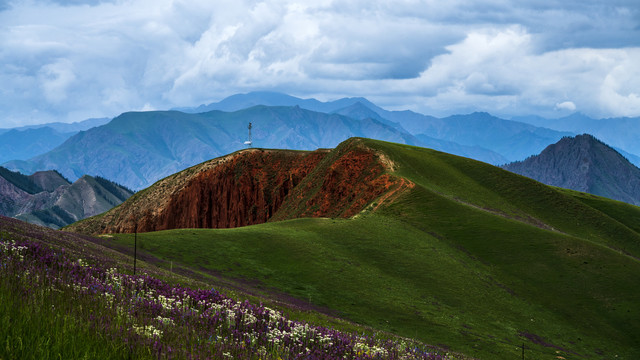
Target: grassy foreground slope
(473, 258)
(66, 296)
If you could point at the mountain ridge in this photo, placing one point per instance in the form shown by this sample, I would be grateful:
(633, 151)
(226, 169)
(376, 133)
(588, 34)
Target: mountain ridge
(47, 198)
(25, 142)
(156, 144)
(586, 164)
(64, 127)
(499, 143)
(138, 148)
(622, 133)
(270, 98)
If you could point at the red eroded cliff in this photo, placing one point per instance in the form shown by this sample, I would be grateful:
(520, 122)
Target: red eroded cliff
(254, 186)
(246, 190)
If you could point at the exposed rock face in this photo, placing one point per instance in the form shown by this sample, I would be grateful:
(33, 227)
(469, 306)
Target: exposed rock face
(239, 189)
(246, 190)
(586, 164)
(15, 201)
(255, 186)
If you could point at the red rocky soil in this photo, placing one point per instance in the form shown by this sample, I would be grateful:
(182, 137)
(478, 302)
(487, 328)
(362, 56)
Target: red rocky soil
(255, 186)
(247, 190)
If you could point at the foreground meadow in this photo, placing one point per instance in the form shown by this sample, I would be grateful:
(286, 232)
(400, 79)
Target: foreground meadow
(56, 304)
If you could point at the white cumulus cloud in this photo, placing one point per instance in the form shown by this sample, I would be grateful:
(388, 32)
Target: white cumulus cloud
(566, 105)
(61, 60)
(504, 70)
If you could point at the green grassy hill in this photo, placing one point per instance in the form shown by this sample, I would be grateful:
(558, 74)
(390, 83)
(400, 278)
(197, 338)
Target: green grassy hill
(473, 258)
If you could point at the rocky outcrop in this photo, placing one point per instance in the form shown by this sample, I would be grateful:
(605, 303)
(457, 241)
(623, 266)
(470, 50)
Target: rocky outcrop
(248, 189)
(243, 188)
(14, 200)
(254, 186)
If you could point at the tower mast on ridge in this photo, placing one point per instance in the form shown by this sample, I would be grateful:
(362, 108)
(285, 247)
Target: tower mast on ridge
(249, 142)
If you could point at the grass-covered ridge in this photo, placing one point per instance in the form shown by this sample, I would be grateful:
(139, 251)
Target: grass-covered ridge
(472, 257)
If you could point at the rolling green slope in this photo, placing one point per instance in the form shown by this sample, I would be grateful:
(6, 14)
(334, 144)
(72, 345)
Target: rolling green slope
(473, 258)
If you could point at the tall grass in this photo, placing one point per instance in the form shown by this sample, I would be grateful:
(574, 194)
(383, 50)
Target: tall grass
(56, 306)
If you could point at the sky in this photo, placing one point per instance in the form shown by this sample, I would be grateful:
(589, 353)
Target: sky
(69, 60)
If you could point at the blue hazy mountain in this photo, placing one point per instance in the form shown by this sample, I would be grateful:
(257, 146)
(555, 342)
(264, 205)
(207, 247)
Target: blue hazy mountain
(361, 111)
(25, 142)
(481, 135)
(64, 127)
(409, 120)
(473, 152)
(586, 164)
(513, 140)
(634, 159)
(268, 98)
(622, 133)
(137, 148)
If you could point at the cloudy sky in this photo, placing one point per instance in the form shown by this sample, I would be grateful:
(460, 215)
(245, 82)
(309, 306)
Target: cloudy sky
(68, 60)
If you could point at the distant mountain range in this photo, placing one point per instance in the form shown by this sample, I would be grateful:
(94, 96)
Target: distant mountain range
(25, 142)
(586, 164)
(138, 148)
(64, 127)
(477, 135)
(47, 198)
(623, 133)
(267, 98)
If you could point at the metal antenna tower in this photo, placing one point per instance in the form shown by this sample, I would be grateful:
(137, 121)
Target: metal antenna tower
(249, 142)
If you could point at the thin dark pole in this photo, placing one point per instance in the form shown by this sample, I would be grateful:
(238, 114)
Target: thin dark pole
(135, 247)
